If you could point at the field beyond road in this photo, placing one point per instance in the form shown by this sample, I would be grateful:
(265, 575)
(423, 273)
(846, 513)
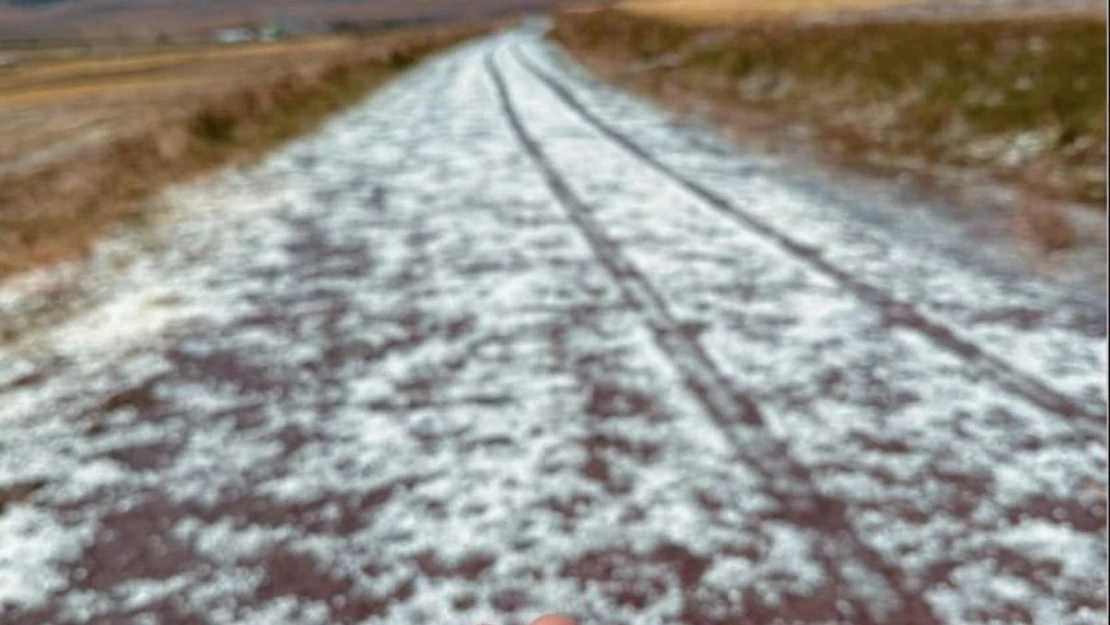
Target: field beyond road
(722, 12)
(54, 106)
(87, 137)
(716, 12)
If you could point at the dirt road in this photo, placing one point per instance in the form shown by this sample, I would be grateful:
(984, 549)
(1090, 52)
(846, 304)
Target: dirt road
(502, 341)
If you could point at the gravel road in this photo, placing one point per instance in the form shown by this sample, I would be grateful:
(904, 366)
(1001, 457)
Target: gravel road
(501, 341)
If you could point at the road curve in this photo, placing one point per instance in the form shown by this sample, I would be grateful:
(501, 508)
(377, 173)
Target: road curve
(503, 341)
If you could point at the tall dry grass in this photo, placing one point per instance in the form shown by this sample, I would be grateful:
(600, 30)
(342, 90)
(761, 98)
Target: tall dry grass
(992, 96)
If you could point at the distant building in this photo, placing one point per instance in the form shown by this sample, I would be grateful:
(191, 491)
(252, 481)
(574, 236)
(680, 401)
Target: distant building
(236, 35)
(269, 32)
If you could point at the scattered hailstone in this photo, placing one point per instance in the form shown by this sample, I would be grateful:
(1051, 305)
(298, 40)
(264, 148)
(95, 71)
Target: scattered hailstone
(31, 543)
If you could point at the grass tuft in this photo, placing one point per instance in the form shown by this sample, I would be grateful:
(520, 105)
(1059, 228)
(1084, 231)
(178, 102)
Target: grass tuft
(214, 127)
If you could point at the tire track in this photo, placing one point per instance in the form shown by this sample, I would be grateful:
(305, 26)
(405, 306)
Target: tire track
(895, 312)
(787, 481)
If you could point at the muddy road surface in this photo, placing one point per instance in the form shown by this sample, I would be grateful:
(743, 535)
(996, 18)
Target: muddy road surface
(503, 341)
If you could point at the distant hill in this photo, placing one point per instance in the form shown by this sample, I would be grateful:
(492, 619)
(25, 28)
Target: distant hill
(147, 18)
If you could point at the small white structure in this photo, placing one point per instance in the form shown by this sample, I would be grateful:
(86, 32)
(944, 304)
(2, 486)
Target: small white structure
(236, 35)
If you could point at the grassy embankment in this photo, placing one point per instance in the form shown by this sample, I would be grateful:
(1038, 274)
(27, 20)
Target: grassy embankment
(89, 139)
(1017, 101)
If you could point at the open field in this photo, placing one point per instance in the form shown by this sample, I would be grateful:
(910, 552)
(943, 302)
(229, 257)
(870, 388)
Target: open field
(86, 138)
(724, 11)
(1017, 102)
(49, 109)
(717, 12)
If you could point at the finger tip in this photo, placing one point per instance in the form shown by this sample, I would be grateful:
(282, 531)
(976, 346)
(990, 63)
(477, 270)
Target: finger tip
(554, 619)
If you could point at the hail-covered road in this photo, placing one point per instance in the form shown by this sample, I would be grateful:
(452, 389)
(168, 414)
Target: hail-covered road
(502, 341)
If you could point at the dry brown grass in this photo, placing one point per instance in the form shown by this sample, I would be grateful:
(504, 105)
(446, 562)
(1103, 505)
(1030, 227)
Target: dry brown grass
(49, 107)
(1040, 217)
(56, 211)
(1045, 223)
(986, 97)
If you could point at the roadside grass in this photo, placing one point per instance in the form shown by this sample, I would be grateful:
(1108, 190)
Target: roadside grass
(51, 104)
(1021, 101)
(56, 211)
(98, 66)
